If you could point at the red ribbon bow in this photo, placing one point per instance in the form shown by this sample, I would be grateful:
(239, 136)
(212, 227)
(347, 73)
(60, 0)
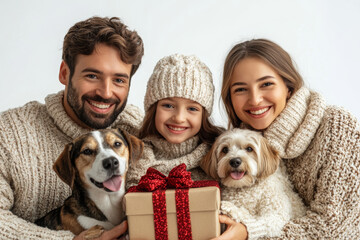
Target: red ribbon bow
(154, 180)
(180, 179)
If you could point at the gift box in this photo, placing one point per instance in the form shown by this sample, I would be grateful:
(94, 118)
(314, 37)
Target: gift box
(173, 208)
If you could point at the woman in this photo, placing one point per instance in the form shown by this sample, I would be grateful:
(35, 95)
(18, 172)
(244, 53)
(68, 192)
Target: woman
(319, 144)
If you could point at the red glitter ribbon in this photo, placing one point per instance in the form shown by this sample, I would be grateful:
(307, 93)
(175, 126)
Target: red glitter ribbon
(180, 179)
(160, 220)
(183, 213)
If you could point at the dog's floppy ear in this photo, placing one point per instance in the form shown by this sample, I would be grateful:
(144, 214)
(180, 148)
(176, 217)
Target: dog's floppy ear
(270, 159)
(63, 166)
(209, 163)
(136, 146)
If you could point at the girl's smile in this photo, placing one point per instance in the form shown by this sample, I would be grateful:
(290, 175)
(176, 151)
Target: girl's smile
(178, 119)
(176, 129)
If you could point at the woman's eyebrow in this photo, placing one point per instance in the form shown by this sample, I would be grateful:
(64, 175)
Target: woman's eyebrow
(257, 80)
(264, 78)
(238, 84)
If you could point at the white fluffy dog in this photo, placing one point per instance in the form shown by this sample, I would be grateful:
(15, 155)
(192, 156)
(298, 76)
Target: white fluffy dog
(255, 188)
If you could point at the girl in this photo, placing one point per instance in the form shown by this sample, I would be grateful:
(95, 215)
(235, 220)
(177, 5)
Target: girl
(176, 127)
(319, 144)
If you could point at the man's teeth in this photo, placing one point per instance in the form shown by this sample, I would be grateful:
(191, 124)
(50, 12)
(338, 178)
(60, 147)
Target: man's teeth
(176, 128)
(258, 112)
(98, 105)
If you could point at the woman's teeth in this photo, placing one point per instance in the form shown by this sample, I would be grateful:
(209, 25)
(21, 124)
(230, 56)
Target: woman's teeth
(260, 111)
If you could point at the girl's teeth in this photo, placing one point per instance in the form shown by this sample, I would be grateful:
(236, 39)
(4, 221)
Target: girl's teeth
(176, 128)
(258, 112)
(102, 106)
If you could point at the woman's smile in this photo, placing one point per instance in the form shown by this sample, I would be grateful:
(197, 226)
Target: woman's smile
(258, 93)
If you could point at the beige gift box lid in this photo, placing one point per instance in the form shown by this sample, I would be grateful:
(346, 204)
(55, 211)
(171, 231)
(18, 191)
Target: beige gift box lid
(204, 204)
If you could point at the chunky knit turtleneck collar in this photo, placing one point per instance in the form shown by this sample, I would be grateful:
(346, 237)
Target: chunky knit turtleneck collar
(293, 130)
(130, 116)
(61, 119)
(164, 149)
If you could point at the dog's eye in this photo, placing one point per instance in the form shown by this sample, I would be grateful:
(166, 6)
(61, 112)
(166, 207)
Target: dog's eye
(249, 149)
(225, 150)
(88, 151)
(117, 144)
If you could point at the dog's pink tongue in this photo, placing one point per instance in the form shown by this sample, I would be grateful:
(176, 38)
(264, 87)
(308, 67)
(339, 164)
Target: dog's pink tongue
(113, 183)
(237, 175)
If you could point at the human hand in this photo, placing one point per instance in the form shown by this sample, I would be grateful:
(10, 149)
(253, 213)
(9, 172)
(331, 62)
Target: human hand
(101, 234)
(234, 230)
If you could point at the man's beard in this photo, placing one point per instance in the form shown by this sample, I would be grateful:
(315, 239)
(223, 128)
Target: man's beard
(89, 118)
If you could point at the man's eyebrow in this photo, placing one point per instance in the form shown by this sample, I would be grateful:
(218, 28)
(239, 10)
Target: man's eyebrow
(122, 75)
(93, 70)
(257, 80)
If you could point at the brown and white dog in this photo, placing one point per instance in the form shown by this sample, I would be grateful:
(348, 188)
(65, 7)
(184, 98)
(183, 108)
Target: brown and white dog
(255, 188)
(94, 166)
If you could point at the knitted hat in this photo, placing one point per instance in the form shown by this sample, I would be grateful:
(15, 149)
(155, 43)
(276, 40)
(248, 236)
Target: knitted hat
(180, 76)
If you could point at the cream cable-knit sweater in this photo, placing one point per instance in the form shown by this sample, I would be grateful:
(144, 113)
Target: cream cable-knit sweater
(164, 156)
(265, 207)
(320, 146)
(31, 139)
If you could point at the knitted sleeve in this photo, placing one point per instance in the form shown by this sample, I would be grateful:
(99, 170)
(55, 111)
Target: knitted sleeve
(334, 207)
(139, 168)
(264, 208)
(131, 119)
(12, 226)
(267, 222)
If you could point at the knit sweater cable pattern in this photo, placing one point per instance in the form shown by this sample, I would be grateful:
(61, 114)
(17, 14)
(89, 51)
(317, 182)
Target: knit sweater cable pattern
(164, 156)
(31, 139)
(320, 146)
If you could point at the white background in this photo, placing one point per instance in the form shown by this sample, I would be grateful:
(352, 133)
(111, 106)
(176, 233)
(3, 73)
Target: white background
(322, 36)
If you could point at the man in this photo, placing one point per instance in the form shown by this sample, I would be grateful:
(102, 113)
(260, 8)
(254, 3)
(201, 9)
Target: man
(100, 55)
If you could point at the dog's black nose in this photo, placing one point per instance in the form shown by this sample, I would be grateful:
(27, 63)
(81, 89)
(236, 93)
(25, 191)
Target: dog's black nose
(235, 162)
(110, 163)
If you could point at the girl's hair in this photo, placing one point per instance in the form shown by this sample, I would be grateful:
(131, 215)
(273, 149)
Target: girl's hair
(207, 134)
(272, 54)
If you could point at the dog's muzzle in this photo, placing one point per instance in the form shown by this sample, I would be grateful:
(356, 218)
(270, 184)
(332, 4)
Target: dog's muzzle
(235, 162)
(236, 174)
(112, 184)
(110, 163)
